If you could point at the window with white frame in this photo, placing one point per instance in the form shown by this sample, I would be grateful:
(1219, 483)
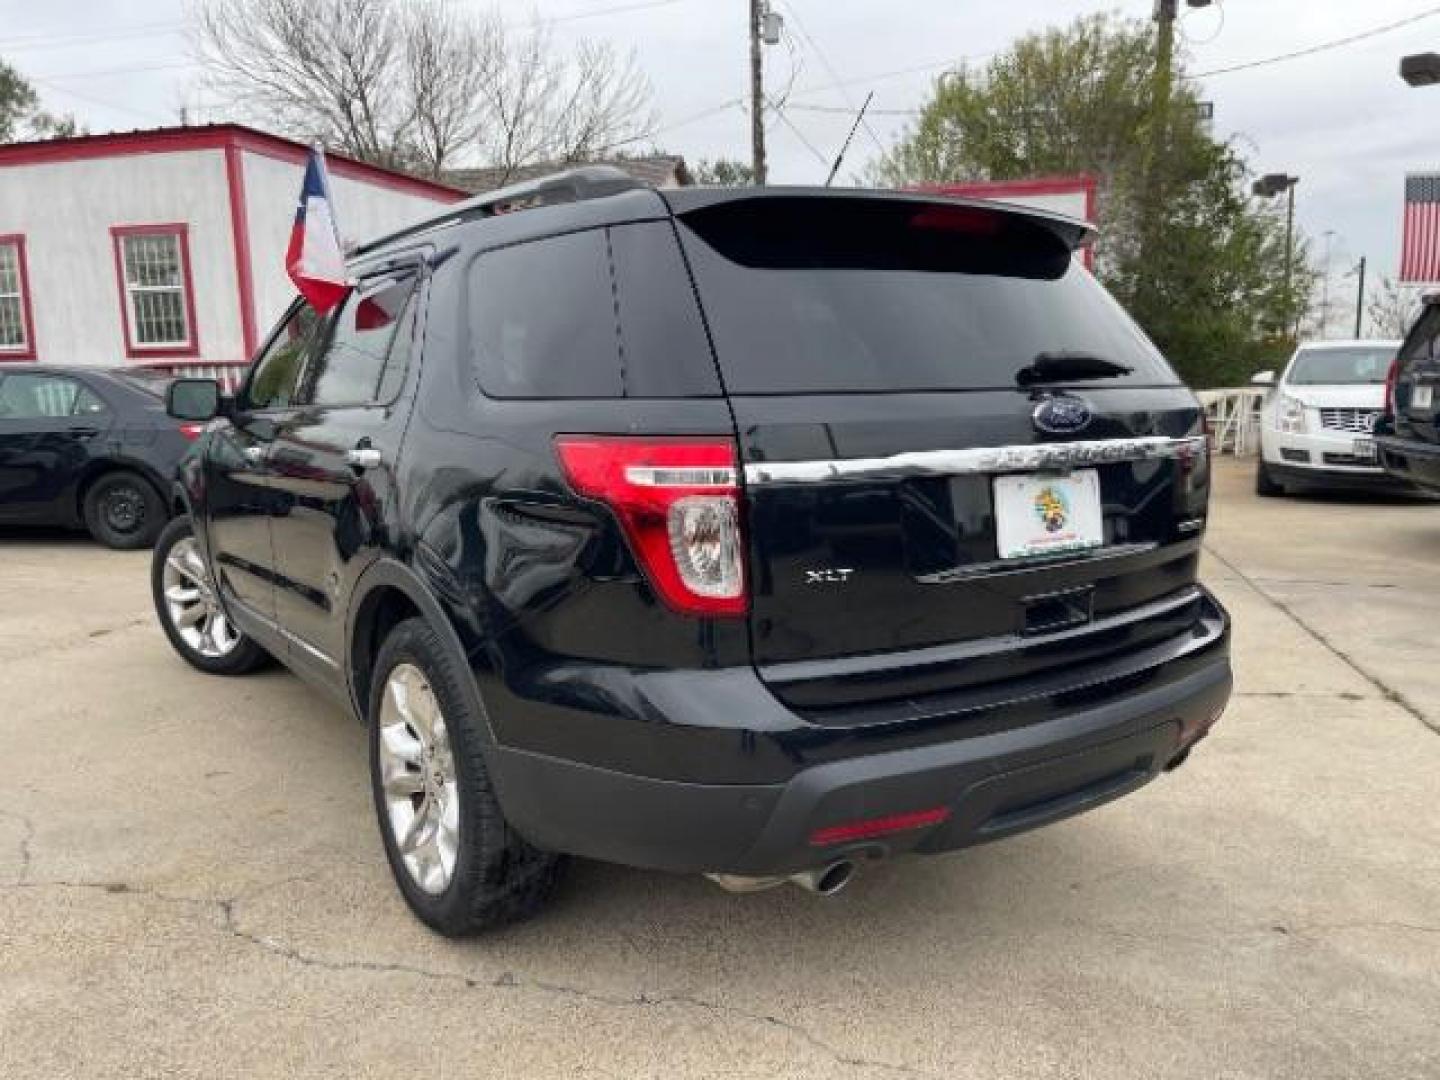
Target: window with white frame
(14, 334)
(155, 280)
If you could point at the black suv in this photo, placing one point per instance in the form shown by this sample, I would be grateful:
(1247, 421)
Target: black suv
(752, 532)
(1408, 435)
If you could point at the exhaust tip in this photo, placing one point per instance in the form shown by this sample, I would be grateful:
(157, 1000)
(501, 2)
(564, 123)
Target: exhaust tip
(826, 881)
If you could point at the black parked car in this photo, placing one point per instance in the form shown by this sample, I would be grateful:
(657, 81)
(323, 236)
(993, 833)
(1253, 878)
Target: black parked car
(89, 447)
(748, 532)
(1408, 436)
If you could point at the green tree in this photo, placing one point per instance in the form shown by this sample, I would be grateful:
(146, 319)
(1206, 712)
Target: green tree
(1205, 274)
(21, 116)
(723, 172)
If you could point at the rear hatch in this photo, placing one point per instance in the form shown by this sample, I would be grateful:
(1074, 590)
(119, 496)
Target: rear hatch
(964, 463)
(1417, 383)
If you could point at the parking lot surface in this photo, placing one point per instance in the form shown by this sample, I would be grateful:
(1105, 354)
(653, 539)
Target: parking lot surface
(191, 881)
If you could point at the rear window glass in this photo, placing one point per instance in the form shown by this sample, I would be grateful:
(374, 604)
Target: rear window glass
(1347, 366)
(817, 295)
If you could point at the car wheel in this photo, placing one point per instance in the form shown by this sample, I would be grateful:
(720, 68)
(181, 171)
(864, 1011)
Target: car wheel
(458, 863)
(190, 611)
(1266, 485)
(123, 511)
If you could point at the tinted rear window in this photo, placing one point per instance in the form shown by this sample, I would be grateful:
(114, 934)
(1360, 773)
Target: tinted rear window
(831, 296)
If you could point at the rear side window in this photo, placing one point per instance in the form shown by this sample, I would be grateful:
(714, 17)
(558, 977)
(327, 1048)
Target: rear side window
(840, 295)
(542, 319)
(606, 313)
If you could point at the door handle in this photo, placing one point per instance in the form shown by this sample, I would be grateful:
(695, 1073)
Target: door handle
(83, 432)
(255, 455)
(363, 457)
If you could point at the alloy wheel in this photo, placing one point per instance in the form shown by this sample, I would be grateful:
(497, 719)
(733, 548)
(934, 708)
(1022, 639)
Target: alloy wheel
(417, 779)
(191, 604)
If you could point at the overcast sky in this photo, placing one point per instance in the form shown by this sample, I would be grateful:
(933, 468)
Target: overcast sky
(1342, 120)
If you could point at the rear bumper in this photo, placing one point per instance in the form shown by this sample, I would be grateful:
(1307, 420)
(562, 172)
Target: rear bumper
(1411, 461)
(993, 784)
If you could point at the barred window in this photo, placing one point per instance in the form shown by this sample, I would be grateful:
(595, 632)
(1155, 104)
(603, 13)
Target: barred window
(156, 305)
(14, 333)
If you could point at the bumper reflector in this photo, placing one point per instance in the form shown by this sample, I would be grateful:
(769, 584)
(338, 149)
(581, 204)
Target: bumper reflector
(881, 826)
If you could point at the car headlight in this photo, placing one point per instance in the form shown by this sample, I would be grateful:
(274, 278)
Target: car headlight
(1290, 415)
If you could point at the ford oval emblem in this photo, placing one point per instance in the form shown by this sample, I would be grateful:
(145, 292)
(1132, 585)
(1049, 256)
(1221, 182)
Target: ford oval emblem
(1061, 414)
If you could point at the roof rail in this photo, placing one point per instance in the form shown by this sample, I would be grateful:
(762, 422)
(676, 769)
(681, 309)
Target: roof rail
(572, 185)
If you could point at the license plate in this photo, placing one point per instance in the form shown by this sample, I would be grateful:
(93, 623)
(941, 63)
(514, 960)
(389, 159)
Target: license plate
(1364, 449)
(1036, 514)
(1420, 397)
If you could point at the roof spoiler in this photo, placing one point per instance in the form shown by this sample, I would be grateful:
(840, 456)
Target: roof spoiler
(572, 185)
(1073, 232)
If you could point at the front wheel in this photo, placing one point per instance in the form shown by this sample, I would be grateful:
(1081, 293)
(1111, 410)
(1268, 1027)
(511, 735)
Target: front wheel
(458, 863)
(190, 611)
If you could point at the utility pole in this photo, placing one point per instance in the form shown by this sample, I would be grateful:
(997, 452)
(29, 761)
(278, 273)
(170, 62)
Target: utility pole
(1360, 297)
(1325, 288)
(757, 92)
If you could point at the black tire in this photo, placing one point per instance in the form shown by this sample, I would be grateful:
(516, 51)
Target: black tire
(245, 657)
(1266, 486)
(124, 511)
(498, 877)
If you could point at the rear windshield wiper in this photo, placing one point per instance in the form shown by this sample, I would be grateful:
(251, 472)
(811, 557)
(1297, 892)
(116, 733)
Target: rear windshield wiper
(1060, 366)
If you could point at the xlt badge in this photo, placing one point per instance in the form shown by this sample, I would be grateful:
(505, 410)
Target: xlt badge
(837, 576)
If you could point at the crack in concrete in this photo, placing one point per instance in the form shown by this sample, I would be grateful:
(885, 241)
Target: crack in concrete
(230, 924)
(1324, 695)
(1389, 693)
(27, 838)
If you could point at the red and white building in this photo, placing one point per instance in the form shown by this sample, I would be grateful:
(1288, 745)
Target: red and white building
(167, 247)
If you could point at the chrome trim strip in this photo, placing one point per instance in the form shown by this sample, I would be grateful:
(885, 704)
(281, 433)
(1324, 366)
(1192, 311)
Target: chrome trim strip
(975, 460)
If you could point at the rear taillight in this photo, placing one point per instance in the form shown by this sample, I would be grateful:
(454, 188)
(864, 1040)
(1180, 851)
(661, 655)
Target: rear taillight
(678, 500)
(1390, 377)
(191, 431)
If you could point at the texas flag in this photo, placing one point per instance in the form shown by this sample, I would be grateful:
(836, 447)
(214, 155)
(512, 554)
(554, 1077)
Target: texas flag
(314, 260)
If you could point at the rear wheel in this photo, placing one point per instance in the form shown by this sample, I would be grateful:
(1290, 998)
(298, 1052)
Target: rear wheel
(1266, 485)
(123, 511)
(189, 610)
(459, 865)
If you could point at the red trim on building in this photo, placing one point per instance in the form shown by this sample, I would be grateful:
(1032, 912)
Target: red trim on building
(27, 313)
(157, 352)
(240, 241)
(218, 137)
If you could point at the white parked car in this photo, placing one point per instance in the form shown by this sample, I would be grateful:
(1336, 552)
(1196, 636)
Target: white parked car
(1317, 421)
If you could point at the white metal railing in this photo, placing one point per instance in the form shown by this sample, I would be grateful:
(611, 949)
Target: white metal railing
(229, 376)
(1234, 414)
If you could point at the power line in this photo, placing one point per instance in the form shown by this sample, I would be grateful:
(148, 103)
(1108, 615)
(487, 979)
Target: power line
(35, 42)
(809, 39)
(166, 65)
(1325, 46)
(144, 114)
(798, 133)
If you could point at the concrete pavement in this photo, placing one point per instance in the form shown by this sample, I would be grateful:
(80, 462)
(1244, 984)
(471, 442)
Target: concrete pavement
(191, 883)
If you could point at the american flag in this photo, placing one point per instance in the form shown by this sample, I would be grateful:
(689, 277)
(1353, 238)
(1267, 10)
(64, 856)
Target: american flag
(1420, 248)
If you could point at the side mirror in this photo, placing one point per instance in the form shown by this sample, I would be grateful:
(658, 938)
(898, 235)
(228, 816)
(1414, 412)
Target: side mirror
(193, 399)
(1263, 378)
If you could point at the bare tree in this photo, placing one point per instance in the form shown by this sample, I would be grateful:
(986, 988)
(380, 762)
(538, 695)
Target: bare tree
(1392, 308)
(422, 85)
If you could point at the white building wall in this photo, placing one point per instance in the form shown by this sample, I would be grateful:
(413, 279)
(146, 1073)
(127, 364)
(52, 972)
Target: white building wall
(272, 189)
(66, 209)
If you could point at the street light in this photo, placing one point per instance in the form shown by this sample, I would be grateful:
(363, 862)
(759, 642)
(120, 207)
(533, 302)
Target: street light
(1422, 69)
(1267, 187)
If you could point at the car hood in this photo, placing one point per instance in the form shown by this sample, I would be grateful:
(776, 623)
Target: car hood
(1338, 397)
